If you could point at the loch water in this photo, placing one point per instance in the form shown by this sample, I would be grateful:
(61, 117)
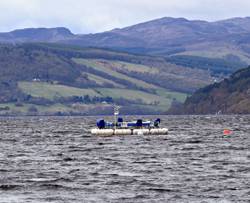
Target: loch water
(55, 159)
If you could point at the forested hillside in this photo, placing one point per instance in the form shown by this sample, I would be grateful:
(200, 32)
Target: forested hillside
(39, 78)
(231, 96)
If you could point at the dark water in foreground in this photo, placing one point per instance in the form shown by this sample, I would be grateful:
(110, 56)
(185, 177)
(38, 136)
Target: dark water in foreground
(54, 160)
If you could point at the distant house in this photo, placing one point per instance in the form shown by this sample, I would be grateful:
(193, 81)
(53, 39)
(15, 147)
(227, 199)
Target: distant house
(36, 80)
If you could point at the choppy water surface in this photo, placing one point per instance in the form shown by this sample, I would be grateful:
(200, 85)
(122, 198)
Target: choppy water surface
(55, 160)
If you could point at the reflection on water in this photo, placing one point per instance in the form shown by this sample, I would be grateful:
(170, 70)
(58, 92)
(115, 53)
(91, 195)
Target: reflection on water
(54, 159)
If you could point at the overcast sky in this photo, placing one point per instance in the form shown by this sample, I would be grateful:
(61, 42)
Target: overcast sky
(89, 16)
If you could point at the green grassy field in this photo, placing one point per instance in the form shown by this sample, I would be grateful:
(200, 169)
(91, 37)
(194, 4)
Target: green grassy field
(218, 52)
(181, 97)
(107, 68)
(134, 95)
(120, 65)
(103, 81)
(50, 91)
(25, 107)
(160, 101)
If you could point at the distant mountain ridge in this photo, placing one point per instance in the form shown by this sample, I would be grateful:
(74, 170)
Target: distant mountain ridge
(151, 34)
(37, 35)
(162, 31)
(179, 40)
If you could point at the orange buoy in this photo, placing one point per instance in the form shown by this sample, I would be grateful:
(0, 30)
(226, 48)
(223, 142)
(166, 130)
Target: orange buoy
(227, 132)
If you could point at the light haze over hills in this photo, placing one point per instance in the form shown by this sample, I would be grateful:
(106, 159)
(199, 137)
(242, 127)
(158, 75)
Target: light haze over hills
(94, 16)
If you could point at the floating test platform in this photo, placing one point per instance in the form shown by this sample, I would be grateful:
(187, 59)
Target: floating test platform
(120, 127)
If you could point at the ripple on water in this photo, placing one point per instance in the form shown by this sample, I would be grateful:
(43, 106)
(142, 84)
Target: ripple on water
(55, 159)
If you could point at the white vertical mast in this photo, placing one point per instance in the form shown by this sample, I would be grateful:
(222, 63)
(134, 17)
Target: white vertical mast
(116, 113)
